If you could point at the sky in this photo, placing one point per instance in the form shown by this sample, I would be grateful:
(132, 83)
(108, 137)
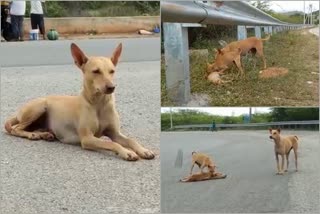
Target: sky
(223, 111)
(285, 6)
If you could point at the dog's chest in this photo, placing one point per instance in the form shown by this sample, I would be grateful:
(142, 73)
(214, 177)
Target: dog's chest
(106, 120)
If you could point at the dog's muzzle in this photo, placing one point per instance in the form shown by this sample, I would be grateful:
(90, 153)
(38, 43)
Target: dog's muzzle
(270, 137)
(109, 89)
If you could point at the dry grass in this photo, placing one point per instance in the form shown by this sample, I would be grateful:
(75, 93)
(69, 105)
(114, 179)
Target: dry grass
(296, 50)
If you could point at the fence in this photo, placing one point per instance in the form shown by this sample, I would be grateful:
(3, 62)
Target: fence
(247, 125)
(177, 16)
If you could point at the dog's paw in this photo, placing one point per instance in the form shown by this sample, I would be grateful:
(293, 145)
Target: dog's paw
(128, 155)
(34, 136)
(146, 154)
(47, 136)
(286, 170)
(279, 173)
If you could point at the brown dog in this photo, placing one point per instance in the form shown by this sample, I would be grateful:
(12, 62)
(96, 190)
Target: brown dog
(84, 118)
(202, 160)
(223, 61)
(203, 176)
(282, 146)
(251, 44)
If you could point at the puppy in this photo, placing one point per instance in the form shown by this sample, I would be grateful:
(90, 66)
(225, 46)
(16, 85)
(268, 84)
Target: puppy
(202, 160)
(282, 146)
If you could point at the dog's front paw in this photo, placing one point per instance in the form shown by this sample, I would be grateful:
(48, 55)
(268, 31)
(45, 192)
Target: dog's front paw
(128, 155)
(145, 154)
(279, 173)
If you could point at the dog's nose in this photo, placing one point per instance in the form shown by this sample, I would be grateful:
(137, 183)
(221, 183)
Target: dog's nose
(270, 137)
(110, 89)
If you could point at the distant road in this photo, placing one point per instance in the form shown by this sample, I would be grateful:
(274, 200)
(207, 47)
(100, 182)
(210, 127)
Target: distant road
(247, 157)
(14, 54)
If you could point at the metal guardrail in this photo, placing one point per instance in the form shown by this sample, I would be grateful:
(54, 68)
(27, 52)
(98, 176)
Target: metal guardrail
(228, 13)
(272, 124)
(177, 16)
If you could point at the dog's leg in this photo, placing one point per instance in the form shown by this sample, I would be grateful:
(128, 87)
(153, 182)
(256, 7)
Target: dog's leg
(261, 55)
(192, 167)
(287, 157)
(295, 150)
(135, 146)
(278, 166)
(90, 142)
(282, 164)
(237, 61)
(26, 116)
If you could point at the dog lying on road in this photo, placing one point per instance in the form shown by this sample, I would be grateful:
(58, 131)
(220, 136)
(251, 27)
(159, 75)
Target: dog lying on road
(84, 118)
(202, 160)
(203, 176)
(282, 146)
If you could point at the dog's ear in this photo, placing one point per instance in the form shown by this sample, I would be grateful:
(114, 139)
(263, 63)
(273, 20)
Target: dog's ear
(270, 130)
(79, 57)
(116, 54)
(220, 51)
(278, 129)
(239, 50)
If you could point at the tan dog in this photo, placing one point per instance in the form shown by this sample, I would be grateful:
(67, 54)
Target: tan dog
(203, 176)
(202, 160)
(215, 78)
(223, 61)
(253, 44)
(283, 146)
(84, 118)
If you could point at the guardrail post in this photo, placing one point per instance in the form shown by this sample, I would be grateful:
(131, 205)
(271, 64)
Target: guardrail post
(270, 30)
(242, 32)
(265, 30)
(257, 31)
(176, 49)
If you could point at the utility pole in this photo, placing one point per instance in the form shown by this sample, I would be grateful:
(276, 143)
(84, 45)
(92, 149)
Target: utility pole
(171, 124)
(304, 12)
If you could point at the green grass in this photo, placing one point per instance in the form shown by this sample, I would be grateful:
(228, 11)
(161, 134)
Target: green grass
(295, 50)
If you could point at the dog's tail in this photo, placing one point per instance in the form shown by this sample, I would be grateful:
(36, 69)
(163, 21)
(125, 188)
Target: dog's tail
(9, 123)
(267, 38)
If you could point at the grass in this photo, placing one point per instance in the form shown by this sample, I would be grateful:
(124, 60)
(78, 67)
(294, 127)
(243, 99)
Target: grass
(295, 50)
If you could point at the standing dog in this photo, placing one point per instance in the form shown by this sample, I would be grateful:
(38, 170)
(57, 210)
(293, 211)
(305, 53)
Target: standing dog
(84, 118)
(282, 146)
(223, 61)
(202, 160)
(253, 44)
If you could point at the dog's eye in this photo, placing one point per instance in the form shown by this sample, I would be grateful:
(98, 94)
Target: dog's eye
(111, 72)
(96, 71)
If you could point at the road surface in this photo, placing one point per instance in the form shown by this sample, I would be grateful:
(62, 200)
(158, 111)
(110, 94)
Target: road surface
(247, 158)
(315, 31)
(58, 52)
(51, 177)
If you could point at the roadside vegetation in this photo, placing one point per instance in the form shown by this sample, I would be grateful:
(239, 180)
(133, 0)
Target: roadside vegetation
(99, 8)
(185, 117)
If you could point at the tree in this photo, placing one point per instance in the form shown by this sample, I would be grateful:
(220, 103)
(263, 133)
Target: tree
(262, 5)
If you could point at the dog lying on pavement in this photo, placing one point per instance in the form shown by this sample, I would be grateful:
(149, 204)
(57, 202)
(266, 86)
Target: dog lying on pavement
(203, 161)
(203, 176)
(80, 119)
(282, 146)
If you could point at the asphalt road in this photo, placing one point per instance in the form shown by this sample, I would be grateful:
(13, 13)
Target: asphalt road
(247, 158)
(51, 177)
(58, 52)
